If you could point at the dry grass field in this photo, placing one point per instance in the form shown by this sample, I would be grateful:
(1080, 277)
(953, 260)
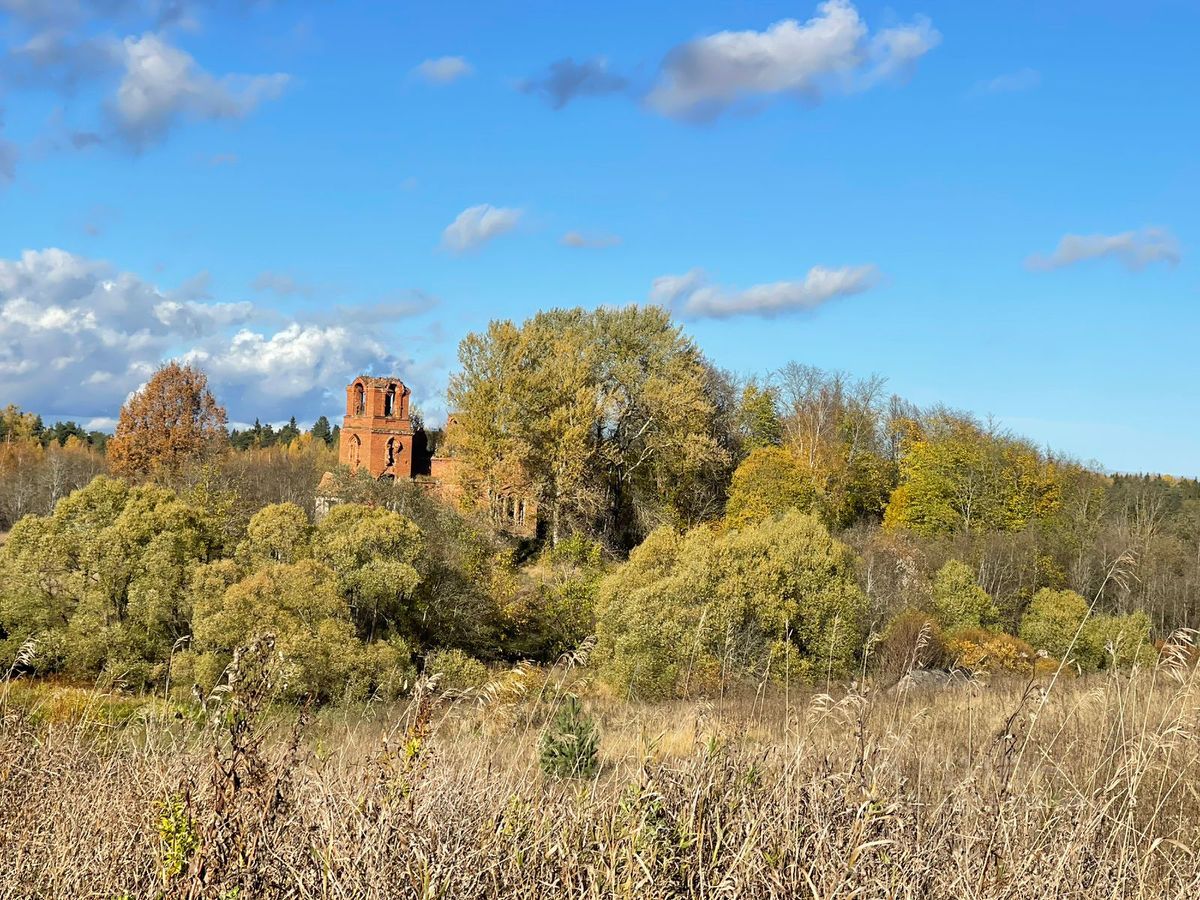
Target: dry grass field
(1068, 788)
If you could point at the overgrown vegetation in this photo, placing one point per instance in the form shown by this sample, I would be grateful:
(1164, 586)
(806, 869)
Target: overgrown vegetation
(712, 534)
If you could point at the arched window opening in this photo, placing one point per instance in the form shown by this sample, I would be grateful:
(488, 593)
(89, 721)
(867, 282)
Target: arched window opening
(389, 401)
(355, 451)
(360, 400)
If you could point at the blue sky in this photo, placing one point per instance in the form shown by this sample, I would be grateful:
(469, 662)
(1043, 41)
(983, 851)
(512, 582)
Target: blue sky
(992, 205)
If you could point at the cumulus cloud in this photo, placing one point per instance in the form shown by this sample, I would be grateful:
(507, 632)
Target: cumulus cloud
(1133, 249)
(583, 241)
(693, 296)
(1010, 82)
(162, 84)
(443, 70)
(293, 370)
(832, 51)
(566, 79)
(476, 225)
(77, 336)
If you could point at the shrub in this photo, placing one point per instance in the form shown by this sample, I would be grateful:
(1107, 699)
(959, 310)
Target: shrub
(911, 640)
(958, 599)
(569, 744)
(383, 670)
(685, 607)
(458, 671)
(1051, 623)
(981, 650)
(1123, 640)
(299, 604)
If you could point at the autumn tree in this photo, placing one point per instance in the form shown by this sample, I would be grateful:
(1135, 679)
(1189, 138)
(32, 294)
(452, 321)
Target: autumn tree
(758, 417)
(835, 426)
(173, 419)
(770, 481)
(956, 475)
(611, 418)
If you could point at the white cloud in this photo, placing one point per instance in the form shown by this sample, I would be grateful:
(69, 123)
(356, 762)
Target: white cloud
(477, 225)
(1010, 82)
(291, 371)
(444, 69)
(831, 51)
(666, 290)
(162, 84)
(580, 240)
(692, 296)
(194, 319)
(1133, 249)
(77, 336)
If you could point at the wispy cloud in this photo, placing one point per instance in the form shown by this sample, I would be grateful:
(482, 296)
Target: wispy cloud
(583, 241)
(476, 225)
(1010, 82)
(443, 70)
(832, 51)
(282, 284)
(1133, 249)
(565, 80)
(693, 296)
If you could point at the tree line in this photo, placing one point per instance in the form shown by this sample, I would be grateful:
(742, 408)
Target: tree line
(708, 529)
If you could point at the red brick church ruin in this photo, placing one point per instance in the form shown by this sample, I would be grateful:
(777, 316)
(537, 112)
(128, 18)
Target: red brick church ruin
(377, 433)
(378, 436)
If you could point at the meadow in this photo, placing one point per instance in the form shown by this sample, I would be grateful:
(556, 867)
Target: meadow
(1051, 787)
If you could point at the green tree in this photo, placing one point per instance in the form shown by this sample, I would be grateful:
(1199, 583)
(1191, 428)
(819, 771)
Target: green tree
(758, 417)
(957, 477)
(958, 600)
(300, 603)
(103, 579)
(321, 431)
(569, 745)
(278, 533)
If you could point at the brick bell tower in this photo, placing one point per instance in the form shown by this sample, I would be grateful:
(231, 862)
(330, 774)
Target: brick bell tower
(377, 434)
